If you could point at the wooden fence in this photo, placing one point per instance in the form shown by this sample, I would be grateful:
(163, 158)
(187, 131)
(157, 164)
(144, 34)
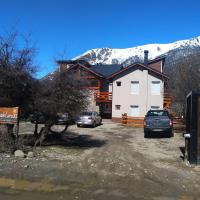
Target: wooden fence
(178, 123)
(138, 122)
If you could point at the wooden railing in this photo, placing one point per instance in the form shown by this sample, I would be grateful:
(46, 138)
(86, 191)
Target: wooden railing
(107, 97)
(178, 123)
(103, 96)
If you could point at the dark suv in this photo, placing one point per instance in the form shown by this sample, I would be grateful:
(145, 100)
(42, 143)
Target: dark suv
(158, 121)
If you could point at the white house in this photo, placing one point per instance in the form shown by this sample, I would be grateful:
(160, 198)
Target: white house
(136, 89)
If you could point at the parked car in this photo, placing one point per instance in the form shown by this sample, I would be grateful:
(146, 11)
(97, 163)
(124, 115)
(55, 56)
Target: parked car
(158, 122)
(90, 118)
(62, 118)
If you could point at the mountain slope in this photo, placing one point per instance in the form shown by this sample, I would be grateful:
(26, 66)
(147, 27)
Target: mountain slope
(134, 54)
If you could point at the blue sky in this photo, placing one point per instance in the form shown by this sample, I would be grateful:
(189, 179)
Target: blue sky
(67, 28)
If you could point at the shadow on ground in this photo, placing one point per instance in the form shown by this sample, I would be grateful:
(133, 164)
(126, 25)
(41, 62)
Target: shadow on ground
(89, 126)
(158, 135)
(67, 139)
(182, 149)
(71, 139)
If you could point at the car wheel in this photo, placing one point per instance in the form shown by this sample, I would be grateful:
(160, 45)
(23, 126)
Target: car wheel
(78, 125)
(146, 134)
(170, 134)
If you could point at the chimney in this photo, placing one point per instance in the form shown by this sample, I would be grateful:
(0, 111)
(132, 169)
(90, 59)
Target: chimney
(146, 52)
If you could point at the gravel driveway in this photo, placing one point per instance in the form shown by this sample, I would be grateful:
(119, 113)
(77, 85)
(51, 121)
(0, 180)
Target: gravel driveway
(106, 162)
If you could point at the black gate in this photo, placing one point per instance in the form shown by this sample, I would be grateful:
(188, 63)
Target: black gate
(192, 135)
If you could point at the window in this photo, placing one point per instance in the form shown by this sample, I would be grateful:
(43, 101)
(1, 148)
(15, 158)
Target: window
(157, 113)
(118, 83)
(135, 87)
(155, 107)
(155, 87)
(135, 110)
(117, 107)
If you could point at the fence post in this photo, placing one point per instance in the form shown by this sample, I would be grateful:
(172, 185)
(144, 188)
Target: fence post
(124, 118)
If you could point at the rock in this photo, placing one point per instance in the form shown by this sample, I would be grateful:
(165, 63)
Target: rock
(145, 171)
(19, 153)
(26, 166)
(30, 154)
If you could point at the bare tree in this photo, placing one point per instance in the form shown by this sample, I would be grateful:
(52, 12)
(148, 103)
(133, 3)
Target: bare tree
(184, 77)
(62, 93)
(16, 80)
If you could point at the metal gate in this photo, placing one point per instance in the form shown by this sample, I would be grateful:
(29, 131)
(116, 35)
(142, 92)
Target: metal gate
(192, 135)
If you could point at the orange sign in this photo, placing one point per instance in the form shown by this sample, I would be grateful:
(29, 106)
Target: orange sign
(9, 115)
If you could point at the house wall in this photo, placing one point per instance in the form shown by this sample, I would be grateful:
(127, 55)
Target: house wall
(63, 67)
(104, 85)
(157, 65)
(87, 76)
(122, 94)
(91, 102)
(155, 100)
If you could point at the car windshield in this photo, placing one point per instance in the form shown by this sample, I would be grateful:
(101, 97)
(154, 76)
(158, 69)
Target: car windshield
(156, 113)
(86, 113)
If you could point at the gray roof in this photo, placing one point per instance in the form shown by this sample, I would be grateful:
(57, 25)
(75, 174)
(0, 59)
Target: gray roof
(106, 70)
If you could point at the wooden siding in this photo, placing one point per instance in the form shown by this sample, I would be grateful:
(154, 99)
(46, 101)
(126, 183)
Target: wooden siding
(157, 66)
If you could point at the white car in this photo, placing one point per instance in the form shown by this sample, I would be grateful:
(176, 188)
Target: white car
(90, 118)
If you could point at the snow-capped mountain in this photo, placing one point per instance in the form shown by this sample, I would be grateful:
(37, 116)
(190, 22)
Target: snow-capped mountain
(134, 54)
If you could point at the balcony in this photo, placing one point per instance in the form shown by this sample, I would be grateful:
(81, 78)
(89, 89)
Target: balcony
(103, 96)
(167, 101)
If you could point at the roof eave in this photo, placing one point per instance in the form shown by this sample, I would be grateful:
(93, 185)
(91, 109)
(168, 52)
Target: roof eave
(133, 65)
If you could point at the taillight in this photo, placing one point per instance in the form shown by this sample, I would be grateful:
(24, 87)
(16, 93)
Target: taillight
(170, 122)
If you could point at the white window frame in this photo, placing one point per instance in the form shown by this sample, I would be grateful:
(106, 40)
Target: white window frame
(155, 87)
(135, 87)
(117, 107)
(136, 113)
(118, 83)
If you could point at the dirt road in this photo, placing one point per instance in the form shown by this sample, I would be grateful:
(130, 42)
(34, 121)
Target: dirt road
(106, 162)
